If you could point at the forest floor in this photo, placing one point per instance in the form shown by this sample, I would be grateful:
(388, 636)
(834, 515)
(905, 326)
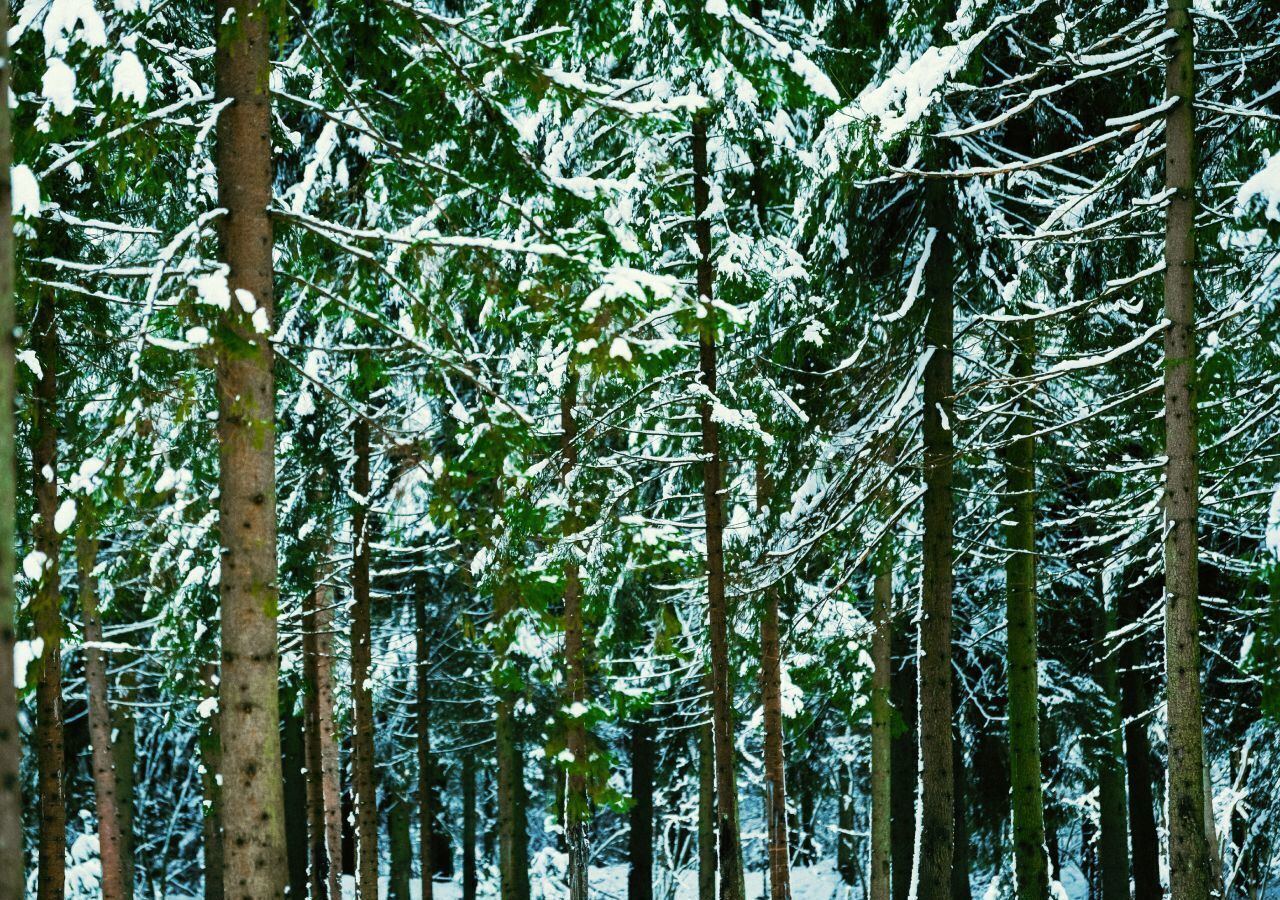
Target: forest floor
(818, 882)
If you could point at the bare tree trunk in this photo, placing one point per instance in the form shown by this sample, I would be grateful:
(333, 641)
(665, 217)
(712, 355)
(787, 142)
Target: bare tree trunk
(211, 760)
(1113, 844)
(1137, 745)
(95, 671)
(253, 807)
(1189, 874)
(470, 878)
(728, 840)
(426, 769)
(294, 763)
(47, 608)
(775, 785)
(12, 879)
(513, 837)
(706, 808)
(881, 734)
(576, 812)
(1030, 865)
(124, 752)
(324, 797)
(902, 775)
(364, 772)
(937, 777)
(640, 817)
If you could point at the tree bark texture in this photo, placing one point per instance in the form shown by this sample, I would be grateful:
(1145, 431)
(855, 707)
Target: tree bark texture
(324, 799)
(253, 807)
(881, 730)
(640, 817)
(426, 767)
(364, 763)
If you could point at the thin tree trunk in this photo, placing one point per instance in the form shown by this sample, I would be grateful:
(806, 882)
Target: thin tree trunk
(426, 814)
(293, 762)
(775, 785)
(12, 879)
(961, 886)
(1189, 872)
(706, 808)
(95, 672)
(576, 812)
(728, 840)
(324, 799)
(210, 741)
(902, 774)
(881, 734)
(124, 751)
(513, 838)
(364, 775)
(253, 807)
(846, 814)
(1030, 865)
(1137, 747)
(937, 777)
(47, 608)
(1113, 844)
(401, 850)
(470, 878)
(640, 817)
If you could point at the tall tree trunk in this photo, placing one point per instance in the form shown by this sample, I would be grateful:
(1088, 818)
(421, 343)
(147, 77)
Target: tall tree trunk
(902, 774)
(576, 812)
(470, 878)
(937, 777)
(513, 837)
(324, 798)
(293, 761)
(728, 840)
(210, 741)
(426, 813)
(1113, 837)
(1137, 747)
(881, 723)
(961, 887)
(124, 753)
(253, 807)
(364, 774)
(775, 784)
(846, 817)
(95, 675)
(12, 879)
(706, 807)
(640, 817)
(47, 608)
(1189, 875)
(1030, 865)
(401, 850)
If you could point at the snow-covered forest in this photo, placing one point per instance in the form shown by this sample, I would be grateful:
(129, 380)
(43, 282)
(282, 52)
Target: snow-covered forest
(646, 449)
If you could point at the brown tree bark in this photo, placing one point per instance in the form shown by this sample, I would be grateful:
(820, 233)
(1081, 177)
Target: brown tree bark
(324, 799)
(513, 836)
(95, 672)
(937, 777)
(12, 879)
(881, 733)
(706, 807)
(775, 784)
(576, 813)
(1108, 752)
(1189, 864)
(47, 608)
(722, 716)
(253, 807)
(364, 772)
(426, 767)
(124, 752)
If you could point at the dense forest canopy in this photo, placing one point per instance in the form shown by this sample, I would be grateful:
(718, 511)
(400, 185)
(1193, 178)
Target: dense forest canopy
(727, 449)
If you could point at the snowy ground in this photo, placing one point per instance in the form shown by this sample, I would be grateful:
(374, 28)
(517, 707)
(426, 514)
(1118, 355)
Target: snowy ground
(610, 883)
